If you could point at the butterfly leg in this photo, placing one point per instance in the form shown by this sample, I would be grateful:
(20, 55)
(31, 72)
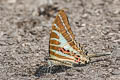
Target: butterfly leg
(62, 68)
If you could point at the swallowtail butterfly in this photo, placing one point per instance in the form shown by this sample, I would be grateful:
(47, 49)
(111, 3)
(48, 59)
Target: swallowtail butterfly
(63, 49)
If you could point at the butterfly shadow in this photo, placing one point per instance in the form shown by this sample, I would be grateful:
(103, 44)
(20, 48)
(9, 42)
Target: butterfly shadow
(45, 69)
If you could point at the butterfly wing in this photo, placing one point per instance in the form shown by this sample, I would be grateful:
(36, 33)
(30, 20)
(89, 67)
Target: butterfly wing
(62, 43)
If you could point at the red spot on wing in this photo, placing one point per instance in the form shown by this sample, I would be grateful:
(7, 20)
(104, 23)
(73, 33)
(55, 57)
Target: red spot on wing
(77, 58)
(64, 51)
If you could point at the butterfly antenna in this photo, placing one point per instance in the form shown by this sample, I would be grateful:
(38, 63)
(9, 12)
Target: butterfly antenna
(97, 55)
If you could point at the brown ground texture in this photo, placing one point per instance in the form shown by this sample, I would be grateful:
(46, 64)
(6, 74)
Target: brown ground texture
(24, 38)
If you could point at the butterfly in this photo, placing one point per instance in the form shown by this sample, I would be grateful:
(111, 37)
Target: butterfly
(63, 49)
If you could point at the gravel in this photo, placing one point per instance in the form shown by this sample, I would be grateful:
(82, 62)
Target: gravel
(24, 38)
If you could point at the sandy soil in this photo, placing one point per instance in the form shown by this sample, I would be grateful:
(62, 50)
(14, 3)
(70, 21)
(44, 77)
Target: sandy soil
(24, 37)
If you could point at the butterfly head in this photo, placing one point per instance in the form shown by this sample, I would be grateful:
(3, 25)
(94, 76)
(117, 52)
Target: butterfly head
(84, 59)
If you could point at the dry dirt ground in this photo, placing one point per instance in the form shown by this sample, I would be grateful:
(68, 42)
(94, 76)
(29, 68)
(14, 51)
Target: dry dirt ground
(24, 38)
